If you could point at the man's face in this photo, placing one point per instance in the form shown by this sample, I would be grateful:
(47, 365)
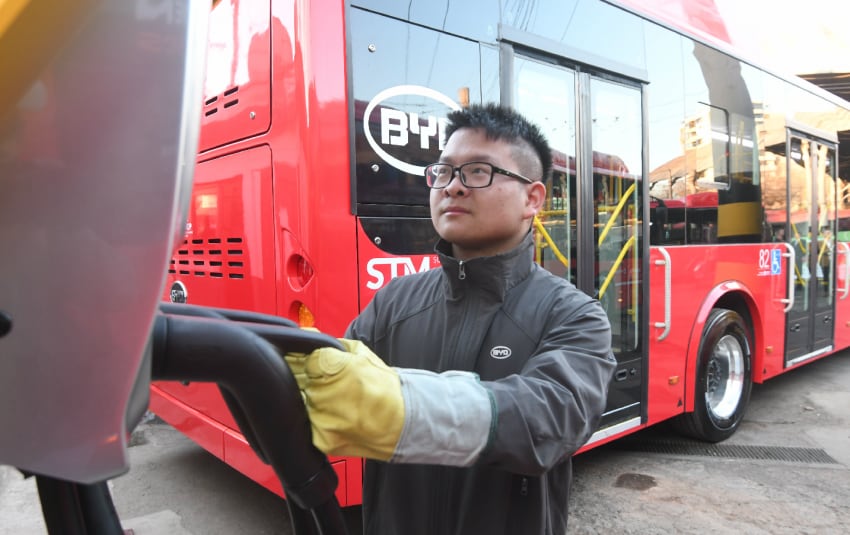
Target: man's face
(484, 221)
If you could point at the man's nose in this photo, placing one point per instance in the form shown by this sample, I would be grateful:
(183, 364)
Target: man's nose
(455, 185)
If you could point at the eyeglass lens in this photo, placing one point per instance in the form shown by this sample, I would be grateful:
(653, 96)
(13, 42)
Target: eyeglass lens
(472, 174)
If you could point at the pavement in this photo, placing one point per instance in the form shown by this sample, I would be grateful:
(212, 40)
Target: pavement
(786, 471)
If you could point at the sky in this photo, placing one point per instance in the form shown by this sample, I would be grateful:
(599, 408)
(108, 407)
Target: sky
(800, 36)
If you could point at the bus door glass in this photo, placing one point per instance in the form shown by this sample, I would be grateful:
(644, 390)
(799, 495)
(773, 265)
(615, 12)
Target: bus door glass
(590, 228)
(811, 217)
(546, 94)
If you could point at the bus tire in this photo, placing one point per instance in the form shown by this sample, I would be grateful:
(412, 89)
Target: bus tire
(724, 379)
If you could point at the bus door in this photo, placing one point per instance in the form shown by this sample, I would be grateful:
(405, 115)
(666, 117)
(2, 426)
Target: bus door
(811, 218)
(590, 230)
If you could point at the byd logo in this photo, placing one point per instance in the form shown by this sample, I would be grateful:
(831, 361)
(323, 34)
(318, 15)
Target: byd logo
(500, 352)
(397, 126)
(379, 268)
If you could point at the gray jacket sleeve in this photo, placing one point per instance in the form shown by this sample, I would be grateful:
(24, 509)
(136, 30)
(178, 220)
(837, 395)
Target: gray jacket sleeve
(550, 409)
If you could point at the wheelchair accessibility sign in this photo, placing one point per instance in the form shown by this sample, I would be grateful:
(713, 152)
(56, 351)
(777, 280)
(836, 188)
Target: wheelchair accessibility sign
(775, 262)
(770, 262)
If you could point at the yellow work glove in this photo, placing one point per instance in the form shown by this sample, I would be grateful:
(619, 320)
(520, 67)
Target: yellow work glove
(353, 399)
(296, 362)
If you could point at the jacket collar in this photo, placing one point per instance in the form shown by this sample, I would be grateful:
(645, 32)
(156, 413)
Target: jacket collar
(495, 274)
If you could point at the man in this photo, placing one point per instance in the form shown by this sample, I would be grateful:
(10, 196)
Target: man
(492, 371)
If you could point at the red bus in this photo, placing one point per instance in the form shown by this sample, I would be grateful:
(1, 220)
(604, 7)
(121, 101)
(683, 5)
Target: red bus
(698, 196)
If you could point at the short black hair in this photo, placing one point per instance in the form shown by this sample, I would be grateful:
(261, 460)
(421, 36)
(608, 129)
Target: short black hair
(501, 122)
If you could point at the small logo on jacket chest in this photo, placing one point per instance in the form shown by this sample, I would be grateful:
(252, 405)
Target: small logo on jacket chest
(500, 352)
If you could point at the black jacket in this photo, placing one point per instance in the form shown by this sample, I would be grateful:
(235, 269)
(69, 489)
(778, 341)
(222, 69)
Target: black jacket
(543, 350)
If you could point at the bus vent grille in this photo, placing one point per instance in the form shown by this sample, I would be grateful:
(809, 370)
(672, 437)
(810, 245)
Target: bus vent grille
(216, 258)
(735, 451)
(227, 99)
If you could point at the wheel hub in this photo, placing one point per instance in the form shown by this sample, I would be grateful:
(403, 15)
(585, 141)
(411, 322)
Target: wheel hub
(725, 378)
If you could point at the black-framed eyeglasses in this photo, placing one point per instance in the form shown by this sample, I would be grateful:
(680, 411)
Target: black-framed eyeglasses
(472, 174)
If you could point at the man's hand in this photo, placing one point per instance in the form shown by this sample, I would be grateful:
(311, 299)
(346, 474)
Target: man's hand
(358, 406)
(353, 399)
(296, 362)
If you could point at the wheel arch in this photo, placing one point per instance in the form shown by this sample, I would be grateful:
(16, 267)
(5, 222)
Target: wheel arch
(730, 295)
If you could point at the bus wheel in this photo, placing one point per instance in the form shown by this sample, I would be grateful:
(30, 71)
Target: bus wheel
(724, 379)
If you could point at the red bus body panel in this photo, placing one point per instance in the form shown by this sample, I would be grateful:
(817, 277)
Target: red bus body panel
(272, 186)
(842, 302)
(700, 276)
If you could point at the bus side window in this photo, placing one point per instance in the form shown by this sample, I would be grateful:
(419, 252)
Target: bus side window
(657, 221)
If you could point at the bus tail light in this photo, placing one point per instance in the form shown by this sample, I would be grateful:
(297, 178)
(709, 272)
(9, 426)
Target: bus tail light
(305, 316)
(299, 271)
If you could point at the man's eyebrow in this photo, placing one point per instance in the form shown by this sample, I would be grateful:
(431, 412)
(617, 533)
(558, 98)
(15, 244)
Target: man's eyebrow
(481, 157)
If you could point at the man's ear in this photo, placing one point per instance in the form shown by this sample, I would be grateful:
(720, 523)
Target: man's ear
(536, 197)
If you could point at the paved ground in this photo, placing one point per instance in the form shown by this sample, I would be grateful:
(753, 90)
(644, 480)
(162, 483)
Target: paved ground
(787, 471)
(802, 416)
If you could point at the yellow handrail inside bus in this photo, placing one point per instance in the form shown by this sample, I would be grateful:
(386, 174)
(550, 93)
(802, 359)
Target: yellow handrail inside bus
(628, 245)
(616, 213)
(804, 248)
(545, 234)
(822, 250)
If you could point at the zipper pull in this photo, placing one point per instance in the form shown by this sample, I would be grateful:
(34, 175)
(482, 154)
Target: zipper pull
(461, 272)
